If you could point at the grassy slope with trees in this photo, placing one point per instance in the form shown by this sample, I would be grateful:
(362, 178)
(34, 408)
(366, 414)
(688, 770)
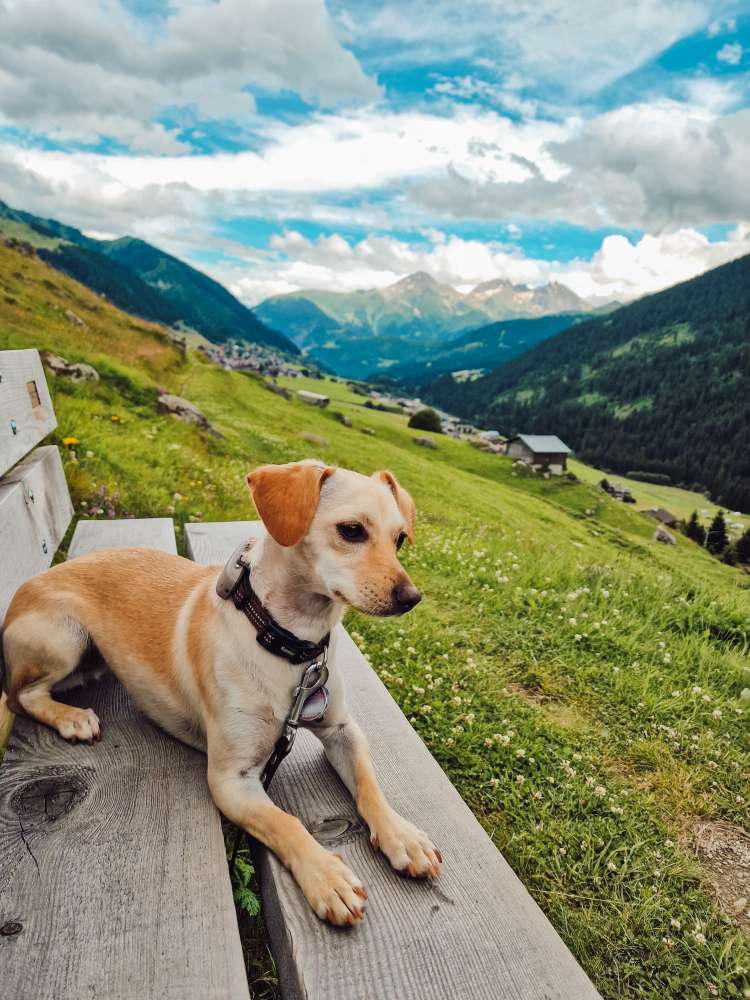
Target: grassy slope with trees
(662, 386)
(484, 347)
(581, 685)
(144, 280)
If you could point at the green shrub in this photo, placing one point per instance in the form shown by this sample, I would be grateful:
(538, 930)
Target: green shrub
(426, 420)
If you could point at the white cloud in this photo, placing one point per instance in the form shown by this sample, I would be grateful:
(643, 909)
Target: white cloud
(730, 53)
(654, 166)
(82, 71)
(659, 166)
(620, 269)
(570, 49)
(722, 26)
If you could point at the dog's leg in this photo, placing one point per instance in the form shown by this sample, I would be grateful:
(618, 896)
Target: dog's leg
(39, 653)
(408, 848)
(334, 892)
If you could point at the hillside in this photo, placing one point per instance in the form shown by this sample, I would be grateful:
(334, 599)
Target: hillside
(483, 348)
(144, 280)
(582, 686)
(662, 385)
(374, 330)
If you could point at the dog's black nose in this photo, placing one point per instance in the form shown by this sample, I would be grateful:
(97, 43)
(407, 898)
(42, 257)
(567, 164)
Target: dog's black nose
(405, 597)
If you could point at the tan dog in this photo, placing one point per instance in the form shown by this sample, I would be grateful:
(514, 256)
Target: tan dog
(191, 660)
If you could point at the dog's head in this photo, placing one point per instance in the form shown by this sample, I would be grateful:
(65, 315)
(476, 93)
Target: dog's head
(345, 529)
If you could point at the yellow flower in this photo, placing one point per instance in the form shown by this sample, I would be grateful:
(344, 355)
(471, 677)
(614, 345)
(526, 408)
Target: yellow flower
(71, 440)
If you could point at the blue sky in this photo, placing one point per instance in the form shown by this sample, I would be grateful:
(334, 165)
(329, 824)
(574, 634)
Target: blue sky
(283, 144)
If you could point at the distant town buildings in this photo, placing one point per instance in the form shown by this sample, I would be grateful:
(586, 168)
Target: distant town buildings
(253, 358)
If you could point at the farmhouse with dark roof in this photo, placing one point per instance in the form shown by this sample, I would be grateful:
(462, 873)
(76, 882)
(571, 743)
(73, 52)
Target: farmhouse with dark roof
(543, 452)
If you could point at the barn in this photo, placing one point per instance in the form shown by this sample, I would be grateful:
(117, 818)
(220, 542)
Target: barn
(543, 452)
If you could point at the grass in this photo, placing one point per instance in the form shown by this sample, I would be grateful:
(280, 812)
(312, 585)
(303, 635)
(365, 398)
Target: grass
(586, 690)
(680, 502)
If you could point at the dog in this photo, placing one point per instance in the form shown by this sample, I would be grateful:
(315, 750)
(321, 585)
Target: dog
(191, 661)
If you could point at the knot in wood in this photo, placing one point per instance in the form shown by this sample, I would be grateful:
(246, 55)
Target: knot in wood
(336, 830)
(47, 799)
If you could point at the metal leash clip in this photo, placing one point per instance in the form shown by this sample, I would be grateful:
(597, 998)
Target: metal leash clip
(313, 679)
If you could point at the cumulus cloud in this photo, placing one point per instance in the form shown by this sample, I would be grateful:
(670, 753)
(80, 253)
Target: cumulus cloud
(652, 166)
(730, 53)
(722, 26)
(86, 71)
(623, 270)
(620, 269)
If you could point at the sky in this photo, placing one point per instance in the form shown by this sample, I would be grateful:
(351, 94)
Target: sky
(288, 144)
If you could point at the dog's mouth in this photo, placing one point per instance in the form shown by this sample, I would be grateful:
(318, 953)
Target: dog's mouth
(390, 609)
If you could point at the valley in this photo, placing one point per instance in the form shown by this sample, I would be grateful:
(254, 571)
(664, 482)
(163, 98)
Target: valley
(585, 688)
(376, 332)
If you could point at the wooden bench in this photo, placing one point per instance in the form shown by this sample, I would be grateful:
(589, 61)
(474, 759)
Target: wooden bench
(113, 873)
(473, 934)
(113, 876)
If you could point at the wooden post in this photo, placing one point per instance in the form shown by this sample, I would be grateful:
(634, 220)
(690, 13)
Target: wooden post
(26, 413)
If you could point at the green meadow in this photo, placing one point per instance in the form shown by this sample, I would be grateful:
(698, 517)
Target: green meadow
(586, 689)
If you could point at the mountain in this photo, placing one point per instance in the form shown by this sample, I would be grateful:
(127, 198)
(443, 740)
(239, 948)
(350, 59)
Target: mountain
(374, 330)
(484, 348)
(660, 386)
(143, 280)
(501, 299)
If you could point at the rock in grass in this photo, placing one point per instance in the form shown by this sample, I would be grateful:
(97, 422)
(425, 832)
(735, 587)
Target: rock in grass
(663, 536)
(183, 409)
(368, 430)
(424, 442)
(73, 318)
(315, 439)
(280, 390)
(78, 371)
(341, 417)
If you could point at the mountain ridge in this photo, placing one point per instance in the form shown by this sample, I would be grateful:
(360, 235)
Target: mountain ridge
(661, 386)
(372, 330)
(146, 281)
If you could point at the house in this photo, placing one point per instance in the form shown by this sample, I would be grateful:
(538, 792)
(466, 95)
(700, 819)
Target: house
(541, 451)
(313, 398)
(660, 514)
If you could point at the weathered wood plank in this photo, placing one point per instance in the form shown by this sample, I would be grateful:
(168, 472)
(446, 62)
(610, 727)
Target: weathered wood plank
(475, 934)
(112, 856)
(26, 413)
(35, 511)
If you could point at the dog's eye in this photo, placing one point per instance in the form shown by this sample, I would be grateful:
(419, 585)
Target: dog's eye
(352, 531)
(400, 540)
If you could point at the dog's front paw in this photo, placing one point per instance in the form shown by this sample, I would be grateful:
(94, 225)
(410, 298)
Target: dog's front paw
(332, 889)
(408, 848)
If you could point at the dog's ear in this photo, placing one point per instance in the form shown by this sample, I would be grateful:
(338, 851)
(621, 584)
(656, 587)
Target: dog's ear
(403, 500)
(286, 497)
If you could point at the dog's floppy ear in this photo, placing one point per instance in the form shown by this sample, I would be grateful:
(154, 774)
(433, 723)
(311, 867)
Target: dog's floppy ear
(403, 501)
(286, 497)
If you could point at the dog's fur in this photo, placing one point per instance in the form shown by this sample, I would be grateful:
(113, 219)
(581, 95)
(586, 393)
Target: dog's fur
(190, 659)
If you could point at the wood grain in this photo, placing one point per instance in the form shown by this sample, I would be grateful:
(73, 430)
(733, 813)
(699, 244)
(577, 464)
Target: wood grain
(112, 857)
(35, 511)
(26, 413)
(475, 934)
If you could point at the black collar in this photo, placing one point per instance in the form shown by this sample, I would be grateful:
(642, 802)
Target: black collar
(270, 634)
